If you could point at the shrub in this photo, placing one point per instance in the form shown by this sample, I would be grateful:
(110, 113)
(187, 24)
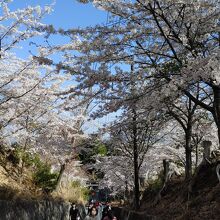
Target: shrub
(85, 193)
(100, 149)
(75, 184)
(156, 184)
(74, 192)
(79, 191)
(20, 153)
(43, 177)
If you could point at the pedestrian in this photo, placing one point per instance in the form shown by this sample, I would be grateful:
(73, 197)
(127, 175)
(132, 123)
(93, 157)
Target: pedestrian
(110, 216)
(96, 204)
(89, 208)
(93, 215)
(107, 211)
(74, 212)
(100, 209)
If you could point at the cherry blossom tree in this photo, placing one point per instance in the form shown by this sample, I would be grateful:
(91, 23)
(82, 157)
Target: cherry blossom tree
(187, 114)
(19, 25)
(133, 137)
(35, 110)
(23, 76)
(173, 45)
(173, 39)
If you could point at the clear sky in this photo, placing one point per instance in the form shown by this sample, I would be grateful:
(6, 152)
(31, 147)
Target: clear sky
(67, 13)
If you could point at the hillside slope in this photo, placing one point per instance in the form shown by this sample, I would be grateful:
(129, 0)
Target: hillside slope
(34, 180)
(177, 202)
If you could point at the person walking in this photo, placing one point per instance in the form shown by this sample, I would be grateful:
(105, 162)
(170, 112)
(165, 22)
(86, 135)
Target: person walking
(74, 213)
(93, 215)
(107, 212)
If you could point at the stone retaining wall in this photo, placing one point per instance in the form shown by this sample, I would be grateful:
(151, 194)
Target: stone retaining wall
(33, 210)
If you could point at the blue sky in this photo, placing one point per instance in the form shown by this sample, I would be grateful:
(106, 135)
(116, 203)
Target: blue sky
(67, 13)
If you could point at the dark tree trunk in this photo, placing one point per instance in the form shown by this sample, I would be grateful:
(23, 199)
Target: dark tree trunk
(136, 169)
(206, 151)
(197, 156)
(216, 105)
(166, 168)
(206, 156)
(135, 144)
(188, 149)
(188, 166)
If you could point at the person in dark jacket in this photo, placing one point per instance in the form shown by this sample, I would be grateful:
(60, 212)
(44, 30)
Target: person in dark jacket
(74, 212)
(107, 212)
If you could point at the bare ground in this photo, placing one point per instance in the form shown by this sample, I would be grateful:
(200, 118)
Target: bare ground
(177, 202)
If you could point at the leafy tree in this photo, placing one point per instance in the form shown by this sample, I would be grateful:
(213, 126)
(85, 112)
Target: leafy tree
(91, 147)
(43, 177)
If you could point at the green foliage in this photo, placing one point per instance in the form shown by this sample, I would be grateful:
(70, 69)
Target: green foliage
(27, 158)
(42, 175)
(156, 185)
(92, 148)
(44, 178)
(85, 193)
(100, 149)
(79, 190)
(75, 183)
(86, 156)
(171, 67)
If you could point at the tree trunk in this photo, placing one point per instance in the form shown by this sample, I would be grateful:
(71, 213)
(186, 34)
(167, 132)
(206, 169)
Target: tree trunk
(206, 155)
(216, 105)
(166, 168)
(188, 167)
(188, 152)
(206, 151)
(135, 143)
(62, 168)
(197, 156)
(136, 170)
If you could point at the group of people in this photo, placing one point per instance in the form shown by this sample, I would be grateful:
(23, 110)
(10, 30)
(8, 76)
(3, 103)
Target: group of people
(96, 211)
